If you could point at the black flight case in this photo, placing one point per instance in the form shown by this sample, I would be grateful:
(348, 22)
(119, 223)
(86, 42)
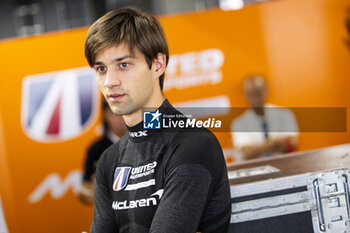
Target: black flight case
(301, 192)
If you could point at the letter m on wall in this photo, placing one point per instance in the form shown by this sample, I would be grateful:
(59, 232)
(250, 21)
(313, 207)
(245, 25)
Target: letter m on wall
(56, 187)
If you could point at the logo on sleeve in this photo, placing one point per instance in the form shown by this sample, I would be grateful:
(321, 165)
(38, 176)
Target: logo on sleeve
(121, 175)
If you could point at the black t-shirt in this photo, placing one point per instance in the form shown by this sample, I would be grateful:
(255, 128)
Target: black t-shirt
(162, 181)
(93, 155)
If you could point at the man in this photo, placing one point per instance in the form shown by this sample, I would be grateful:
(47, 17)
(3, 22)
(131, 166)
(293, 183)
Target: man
(157, 180)
(264, 129)
(113, 129)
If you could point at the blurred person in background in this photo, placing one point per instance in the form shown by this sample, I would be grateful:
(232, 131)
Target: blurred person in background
(347, 25)
(263, 129)
(113, 129)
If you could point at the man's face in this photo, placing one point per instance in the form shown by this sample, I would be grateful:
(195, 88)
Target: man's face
(255, 93)
(125, 79)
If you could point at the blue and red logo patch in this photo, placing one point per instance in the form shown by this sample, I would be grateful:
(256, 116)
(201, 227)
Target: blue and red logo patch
(59, 105)
(121, 176)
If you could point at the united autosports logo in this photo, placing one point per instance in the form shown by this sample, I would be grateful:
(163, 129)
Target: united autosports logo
(59, 105)
(121, 175)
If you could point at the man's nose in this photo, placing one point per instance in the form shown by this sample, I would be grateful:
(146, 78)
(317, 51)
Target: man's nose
(112, 79)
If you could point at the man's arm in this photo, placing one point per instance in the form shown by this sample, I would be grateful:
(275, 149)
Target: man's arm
(86, 192)
(275, 145)
(285, 140)
(251, 147)
(183, 200)
(103, 220)
(194, 171)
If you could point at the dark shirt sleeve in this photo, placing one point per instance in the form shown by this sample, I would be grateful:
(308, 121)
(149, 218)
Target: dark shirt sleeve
(193, 175)
(103, 220)
(94, 153)
(89, 164)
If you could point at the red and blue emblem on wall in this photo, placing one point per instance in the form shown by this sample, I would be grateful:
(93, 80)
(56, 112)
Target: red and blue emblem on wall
(60, 105)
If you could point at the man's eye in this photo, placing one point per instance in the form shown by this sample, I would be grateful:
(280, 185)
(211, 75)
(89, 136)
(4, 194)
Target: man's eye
(124, 65)
(101, 69)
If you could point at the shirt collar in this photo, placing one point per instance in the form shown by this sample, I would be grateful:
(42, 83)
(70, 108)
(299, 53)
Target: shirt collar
(138, 133)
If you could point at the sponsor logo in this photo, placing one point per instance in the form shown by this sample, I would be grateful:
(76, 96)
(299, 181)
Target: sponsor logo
(123, 174)
(151, 120)
(59, 105)
(141, 171)
(194, 69)
(140, 185)
(138, 134)
(153, 200)
(120, 178)
(56, 187)
(159, 193)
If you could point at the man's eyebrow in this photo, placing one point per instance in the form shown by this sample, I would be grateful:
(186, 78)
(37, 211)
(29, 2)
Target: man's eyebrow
(116, 59)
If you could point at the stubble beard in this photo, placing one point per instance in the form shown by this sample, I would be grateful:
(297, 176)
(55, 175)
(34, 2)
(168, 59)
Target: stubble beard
(128, 108)
(131, 105)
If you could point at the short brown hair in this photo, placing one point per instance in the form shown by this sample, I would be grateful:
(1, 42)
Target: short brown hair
(135, 28)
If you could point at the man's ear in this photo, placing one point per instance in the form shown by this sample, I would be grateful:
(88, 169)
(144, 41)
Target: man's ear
(159, 65)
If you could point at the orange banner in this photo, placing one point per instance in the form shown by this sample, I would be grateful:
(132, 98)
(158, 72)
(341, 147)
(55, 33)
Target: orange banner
(49, 101)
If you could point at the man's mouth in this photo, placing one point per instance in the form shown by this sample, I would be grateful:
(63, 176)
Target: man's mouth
(115, 97)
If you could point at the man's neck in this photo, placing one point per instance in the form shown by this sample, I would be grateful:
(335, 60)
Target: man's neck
(259, 111)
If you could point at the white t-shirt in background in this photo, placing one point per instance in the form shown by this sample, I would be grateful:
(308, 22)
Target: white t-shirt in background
(247, 129)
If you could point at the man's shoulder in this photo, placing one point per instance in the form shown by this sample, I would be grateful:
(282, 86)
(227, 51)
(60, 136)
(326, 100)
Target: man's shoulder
(195, 135)
(280, 111)
(197, 147)
(196, 140)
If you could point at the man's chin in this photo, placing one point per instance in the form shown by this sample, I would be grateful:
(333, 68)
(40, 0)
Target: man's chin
(118, 112)
(121, 111)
